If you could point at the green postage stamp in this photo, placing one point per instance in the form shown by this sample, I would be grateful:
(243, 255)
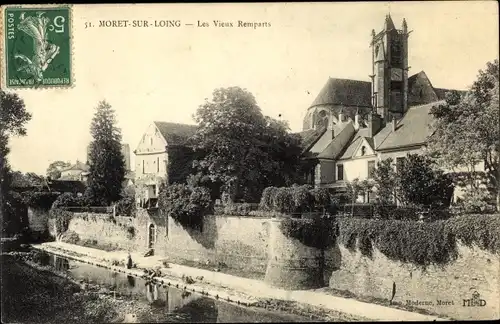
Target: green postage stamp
(37, 47)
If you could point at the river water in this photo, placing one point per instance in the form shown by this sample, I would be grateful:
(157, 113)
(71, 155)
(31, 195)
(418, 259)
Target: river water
(165, 304)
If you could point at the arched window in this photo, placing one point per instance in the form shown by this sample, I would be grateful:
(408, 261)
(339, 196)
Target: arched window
(322, 120)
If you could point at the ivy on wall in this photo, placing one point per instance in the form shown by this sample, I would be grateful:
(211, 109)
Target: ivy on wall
(62, 219)
(316, 233)
(420, 243)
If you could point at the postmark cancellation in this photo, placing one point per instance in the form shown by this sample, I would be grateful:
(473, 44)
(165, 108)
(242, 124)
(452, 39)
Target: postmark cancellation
(37, 46)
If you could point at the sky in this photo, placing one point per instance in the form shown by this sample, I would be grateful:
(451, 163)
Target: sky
(164, 74)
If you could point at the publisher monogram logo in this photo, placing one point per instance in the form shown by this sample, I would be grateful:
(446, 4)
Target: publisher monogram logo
(475, 301)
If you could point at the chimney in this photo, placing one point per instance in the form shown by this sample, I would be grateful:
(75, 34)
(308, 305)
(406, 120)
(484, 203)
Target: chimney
(357, 119)
(374, 123)
(331, 123)
(341, 115)
(394, 123)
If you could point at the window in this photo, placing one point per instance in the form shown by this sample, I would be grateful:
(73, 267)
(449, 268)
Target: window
(363, 150)
(340, 172)
(151, 141)
(158, 164)
(143, 167)
(371, 169)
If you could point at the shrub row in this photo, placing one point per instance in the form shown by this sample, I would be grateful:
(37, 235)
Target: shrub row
(236, 209)
(294, 199)
(420, 243)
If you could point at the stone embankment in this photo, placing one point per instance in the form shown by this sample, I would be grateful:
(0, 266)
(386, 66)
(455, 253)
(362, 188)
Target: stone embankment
(237, 290)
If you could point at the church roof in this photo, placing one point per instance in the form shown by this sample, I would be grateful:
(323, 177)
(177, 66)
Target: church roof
(389, 24)
(413, 129)
(344, 92)
(174, 133)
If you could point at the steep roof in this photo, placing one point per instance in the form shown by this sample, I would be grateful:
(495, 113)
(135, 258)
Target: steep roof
(350, 149)
(336, 146)
(344, 92)
(412, 129)
(310, 137)
(175, 134)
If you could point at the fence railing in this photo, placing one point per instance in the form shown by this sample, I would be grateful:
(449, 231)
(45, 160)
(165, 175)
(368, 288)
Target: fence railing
(90, 209)
(395, 212)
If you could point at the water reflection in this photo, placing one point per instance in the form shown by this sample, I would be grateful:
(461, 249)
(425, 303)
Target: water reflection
(167, 304)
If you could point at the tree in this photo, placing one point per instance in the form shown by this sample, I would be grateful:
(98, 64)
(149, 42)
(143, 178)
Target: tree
(466, 130)
(419, 184)
(54, 169)
(13, 118)
(107, 164)
(186, 205)
(385, 180)
(242, 148)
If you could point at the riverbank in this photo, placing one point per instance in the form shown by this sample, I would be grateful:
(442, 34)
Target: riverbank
(234, 289)
(34, 294)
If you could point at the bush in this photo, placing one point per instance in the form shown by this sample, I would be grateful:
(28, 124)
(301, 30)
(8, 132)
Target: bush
(130, 232)
(185, 205)
(236, 209)
(317, 233)
(295, 199)
(480, 230)
(125, 206)
(39, 200)
(476, 200)
(66, 199)
(70, 237)
(62, 218)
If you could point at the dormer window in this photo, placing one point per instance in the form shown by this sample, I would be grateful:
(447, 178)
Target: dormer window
(151, 141)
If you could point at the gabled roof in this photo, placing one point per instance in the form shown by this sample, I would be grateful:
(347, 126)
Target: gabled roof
(344, 92)
(175, 134)
(77, 166)
(310, 137)
(412, 129)
(350, 149)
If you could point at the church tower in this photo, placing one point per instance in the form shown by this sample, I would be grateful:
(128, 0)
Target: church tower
(390, 70)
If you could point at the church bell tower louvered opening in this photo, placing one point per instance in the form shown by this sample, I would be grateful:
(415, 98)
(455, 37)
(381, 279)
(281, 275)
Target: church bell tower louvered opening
(390, 70)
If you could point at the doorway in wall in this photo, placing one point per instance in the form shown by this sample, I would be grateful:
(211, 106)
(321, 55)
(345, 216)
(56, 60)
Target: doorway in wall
(151, 236)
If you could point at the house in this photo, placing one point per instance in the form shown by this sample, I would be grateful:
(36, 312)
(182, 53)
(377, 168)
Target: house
(152, 156)
(77, 172)
(353, 124)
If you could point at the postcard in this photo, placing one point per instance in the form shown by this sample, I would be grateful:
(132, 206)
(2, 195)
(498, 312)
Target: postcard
(250, 162)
